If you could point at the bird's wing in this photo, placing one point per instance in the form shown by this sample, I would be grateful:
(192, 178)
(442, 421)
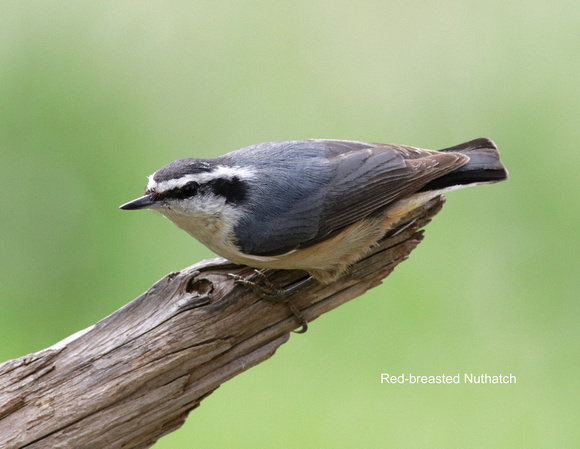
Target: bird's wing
(360, 178)
(370, 179)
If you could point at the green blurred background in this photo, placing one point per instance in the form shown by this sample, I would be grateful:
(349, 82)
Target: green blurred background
(95, 96)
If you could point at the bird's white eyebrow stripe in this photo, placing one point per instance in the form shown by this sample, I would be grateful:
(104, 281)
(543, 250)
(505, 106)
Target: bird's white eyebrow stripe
(220, 172)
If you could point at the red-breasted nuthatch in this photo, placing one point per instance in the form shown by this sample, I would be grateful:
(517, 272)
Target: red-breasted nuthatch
(312, 205)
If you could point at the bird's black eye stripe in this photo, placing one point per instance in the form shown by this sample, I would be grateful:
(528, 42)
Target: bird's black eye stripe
(179, 193)
(234, 189)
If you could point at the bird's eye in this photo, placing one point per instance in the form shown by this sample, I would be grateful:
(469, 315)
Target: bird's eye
(189, 189)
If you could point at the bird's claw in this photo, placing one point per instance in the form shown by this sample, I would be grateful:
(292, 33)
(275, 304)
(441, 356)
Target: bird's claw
(269, 292)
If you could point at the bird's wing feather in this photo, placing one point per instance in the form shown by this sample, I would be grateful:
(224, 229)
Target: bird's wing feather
(383, 175)
(361, 178)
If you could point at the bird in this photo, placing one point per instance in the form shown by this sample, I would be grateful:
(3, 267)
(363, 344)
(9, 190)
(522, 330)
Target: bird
(316, 205)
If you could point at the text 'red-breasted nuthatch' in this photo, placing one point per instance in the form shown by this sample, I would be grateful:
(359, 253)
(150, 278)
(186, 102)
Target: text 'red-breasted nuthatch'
(312, 205)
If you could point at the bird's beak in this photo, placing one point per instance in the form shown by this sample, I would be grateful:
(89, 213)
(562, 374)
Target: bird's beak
(145, 202)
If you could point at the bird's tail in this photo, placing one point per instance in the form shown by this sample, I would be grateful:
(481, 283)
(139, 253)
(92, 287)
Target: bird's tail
(483, 167)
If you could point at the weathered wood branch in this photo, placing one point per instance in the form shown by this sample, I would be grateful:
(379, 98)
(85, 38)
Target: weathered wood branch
(135, 375)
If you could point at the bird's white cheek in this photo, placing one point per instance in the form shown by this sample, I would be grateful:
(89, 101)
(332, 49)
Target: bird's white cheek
(211, 222)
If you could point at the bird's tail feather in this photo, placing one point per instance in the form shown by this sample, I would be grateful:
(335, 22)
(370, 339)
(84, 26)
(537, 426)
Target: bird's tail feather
(484, 166)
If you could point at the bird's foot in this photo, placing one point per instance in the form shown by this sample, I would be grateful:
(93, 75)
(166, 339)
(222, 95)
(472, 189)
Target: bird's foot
(270, 292)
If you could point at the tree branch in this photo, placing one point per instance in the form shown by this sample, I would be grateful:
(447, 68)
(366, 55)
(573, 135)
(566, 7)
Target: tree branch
(135, 375)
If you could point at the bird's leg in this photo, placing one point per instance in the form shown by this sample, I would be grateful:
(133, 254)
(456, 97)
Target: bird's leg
(269, 292)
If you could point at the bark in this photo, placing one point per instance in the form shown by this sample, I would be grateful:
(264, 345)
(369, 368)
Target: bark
(135, 375)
